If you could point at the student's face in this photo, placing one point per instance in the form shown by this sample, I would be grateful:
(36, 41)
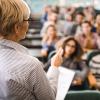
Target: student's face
(86, 28)
(51, 31)
(79, 19)
(70, 47)
(53, 17)
(89, 17)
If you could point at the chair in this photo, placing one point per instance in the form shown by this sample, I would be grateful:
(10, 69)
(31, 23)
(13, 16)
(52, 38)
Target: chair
(91, 55)
(83, 95)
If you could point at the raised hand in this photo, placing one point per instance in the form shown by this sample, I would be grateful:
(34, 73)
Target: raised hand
(57, 58)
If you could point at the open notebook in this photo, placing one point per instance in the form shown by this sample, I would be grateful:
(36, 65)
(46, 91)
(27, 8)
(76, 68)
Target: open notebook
(64, 82)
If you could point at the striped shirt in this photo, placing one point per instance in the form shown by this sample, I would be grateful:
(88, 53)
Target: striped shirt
(25, 77)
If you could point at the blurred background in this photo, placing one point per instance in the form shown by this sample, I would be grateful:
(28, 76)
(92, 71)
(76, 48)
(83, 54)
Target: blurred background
(65, 9)
(37, 5)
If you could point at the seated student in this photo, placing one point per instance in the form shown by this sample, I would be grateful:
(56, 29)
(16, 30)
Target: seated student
(72, 60)
(76, 28)
(97, 25)
(93, 62)
(97, 35)
(87, 39)
(49, 40)
(46, 11)
(51, 20)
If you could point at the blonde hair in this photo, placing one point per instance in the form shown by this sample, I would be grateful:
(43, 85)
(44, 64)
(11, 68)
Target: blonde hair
(12, 12)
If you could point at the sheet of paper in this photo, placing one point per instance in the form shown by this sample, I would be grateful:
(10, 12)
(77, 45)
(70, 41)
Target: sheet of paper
(64, 82)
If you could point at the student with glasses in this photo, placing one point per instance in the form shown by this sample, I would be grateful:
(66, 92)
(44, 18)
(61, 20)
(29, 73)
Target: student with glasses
(72, 52)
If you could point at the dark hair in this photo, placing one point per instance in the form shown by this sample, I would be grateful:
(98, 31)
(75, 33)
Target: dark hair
(80, 13)
(55, 9)
(87, 22)
(78, 50)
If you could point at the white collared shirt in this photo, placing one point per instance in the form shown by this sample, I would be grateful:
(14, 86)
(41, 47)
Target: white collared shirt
(27, 71)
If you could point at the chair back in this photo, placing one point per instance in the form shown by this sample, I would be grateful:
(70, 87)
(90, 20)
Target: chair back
(83, 95)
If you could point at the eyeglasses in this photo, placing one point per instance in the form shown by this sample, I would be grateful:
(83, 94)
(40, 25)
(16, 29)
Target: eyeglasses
(29, 19)
(73, 46)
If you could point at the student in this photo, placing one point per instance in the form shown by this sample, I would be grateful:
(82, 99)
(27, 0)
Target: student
(87, 39)
(49, 41)
(72, 60)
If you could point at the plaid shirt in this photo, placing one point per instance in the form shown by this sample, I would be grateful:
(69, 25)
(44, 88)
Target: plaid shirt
(24, 74)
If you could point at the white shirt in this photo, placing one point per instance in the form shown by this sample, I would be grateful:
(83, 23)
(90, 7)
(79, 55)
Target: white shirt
(25, 73)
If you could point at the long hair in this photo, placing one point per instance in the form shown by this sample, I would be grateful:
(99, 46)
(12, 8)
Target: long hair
(78, 49)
